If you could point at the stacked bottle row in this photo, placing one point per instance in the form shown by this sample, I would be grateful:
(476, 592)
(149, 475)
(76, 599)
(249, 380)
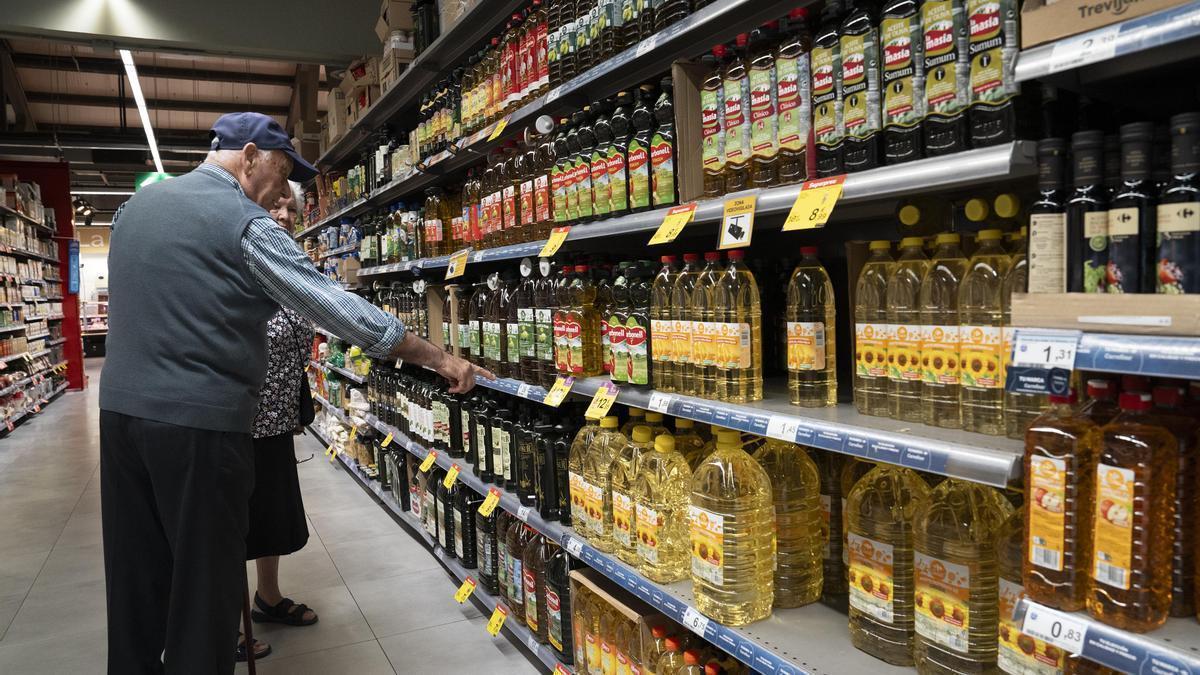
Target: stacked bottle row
(405, 301)
(1130, 222)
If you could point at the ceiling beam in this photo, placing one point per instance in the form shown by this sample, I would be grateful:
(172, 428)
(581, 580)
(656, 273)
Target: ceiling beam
(87, 64)
(105, 139)
(11, 90)
(155, 103)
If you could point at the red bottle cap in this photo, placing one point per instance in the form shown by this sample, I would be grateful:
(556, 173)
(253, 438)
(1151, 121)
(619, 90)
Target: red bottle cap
(772, 24)
(1167, 396)
(691, 657)
(1134, 400)
(667, 259)
(495, 41)
(720, 51)
(798, 13)
(808, 250)
(658, 631)
(712, 255)
(691, 257)
(737, 255)
(743, 39)
(581, 269)
(1098, 388)
(1069, 398)
(713, 669)
(671, 644)
(1135, 383)
(567, 269)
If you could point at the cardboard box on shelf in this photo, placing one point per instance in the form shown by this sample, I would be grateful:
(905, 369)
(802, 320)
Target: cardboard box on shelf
(688, 78)
(642, 615)
(362, 73)
(337, 115)
(324, 140)
(393, 15)
(1139, 314)
(1048, 20)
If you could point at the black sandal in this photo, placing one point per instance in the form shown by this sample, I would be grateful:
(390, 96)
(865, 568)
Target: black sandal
(261, 649)
(286, 612)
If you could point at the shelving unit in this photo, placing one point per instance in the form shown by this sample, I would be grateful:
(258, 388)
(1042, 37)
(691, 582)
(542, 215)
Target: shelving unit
(348, 374)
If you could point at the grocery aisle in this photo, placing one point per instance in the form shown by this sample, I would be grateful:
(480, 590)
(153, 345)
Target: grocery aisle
(385, 602)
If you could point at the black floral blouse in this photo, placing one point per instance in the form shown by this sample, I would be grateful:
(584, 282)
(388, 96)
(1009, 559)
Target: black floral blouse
(289, 343)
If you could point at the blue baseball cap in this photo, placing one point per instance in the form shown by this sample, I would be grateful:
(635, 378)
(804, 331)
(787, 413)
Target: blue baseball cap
(234, 130)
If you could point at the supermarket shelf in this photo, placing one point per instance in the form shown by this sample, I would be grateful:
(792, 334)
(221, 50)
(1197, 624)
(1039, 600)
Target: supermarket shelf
(31, 411)
(1165, 650)
(1125, 47)
(94, 333)
(972, 167)
(10, 329)
(26, 253)
(332, 218)
(55, 317)
(352, 248)
(327, 334)
(348, 374)
(1154, 356)
(14, 357)
(335, 411)
(993, 460)
(6, 211)
(57, 341)
(37, 354)
(36, 337)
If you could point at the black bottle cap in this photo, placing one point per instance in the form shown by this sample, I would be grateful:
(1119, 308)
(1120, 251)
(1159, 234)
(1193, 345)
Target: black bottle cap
(1185, 142)
(1088, 150)
(1136, 140)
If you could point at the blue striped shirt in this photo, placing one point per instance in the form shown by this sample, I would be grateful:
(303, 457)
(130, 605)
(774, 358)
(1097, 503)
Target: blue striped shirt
(287, 275)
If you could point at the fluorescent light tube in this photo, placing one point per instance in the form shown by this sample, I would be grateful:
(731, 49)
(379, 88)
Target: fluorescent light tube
(131, 73)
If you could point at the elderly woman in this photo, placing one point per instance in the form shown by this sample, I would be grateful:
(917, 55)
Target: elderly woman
(277, 524)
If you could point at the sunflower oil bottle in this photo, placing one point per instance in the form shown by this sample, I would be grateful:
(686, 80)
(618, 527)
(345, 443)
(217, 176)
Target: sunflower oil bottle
(637, 417)
(880, 512)
(871, 332)
(583, 326)
(689, 442)
(1019, 653)
(681, 325)
(1135, 510)
(738, 340)
(660, 497)
(731, 529)
(597, 505)
(672, 657)
(589, 632)
(621, 476)
(1167, 400)
(657, 424)
(902, 299)
(1019, 409)
(575, 458)
(704, 311)
(980, 312)
(1059, 467)
(663, 366)
(610, 620)
(796, 491)
(956, 586)
(811, 343)
(829, 471)
(940, 335)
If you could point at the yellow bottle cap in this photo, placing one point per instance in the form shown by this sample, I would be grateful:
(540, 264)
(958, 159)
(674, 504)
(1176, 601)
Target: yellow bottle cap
(975, 210)
(909, 215)
(610, 422)
(881, 245)
(637, 412)
(912, 242)
(642, 434)
(1006, 205)
(681, 423)
(664, 443)
(948, 238)
(729, 436)
(654, 417)
(990, 235)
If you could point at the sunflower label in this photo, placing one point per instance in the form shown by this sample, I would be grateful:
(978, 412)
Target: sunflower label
(661, 341)
(871, 582)
(943, 593)
(904, 353)
(939, 354)
(731, 345)
(1047, 521)
(706, 530)
(647, 533)
(1113, 526)
(622, 510)
(870, 349)
(805, 345)
(979, 355)
(1021, 653)
(575, 483)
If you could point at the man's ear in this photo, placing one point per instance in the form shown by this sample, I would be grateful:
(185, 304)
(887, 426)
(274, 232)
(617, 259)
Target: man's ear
(250, 157)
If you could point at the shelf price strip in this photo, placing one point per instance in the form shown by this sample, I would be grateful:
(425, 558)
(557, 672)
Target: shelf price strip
(495, 623)
(465, 591)
(814, 204)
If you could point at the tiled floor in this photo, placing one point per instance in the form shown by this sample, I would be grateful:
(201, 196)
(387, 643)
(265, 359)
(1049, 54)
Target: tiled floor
(384, 601)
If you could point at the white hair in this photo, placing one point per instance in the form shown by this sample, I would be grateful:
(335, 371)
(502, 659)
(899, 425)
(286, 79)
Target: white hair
(227, 157)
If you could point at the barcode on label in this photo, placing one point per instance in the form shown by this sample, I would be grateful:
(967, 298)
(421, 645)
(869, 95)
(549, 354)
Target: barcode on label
(523, 512)
(1112, 575)
(1046, 557)
(574, 546)
(659, 402)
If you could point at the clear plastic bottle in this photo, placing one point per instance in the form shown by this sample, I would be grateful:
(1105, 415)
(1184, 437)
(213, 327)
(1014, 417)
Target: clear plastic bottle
(829, 470)
(1019, 409)
(731, 524)
(663, 366)
(672, 657)
(583, 329)
(657, 424)
(738, 339)
(689, 442)
(980, 313)
(939, 334)
(880, 512)
(637, 417)
(1170, 414)
(956, 577)
(1019, 653)
(575, 458)
(661, 499)
(619, 492)
(610, 619)
(811, 343)
(903, 300)
(681, 324)
(872, 331)
(796, 491)
(1135, 511)
(597, 506)
(704, 316)
(537, 556)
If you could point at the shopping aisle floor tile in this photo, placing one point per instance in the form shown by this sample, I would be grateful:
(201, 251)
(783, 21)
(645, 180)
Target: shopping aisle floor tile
(364, 658)
(460, 647)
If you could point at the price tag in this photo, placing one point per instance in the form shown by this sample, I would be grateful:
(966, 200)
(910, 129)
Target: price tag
(429, 460)
(532, 643)
(783, 428)
(9, 425)
(1090, 47)
(465, 591)
(560, 669)
(660, 402)
(524, 389)
(602, 401)
(557, 236)
(500, 126)
(694, 621)
(737, 223)
(497, 621)
(523, 513)
(37, 408)
(329, 452)
(574, 546)
(451, 476)
(1059, 629)
(458, 263)
(489, 502)
(562, 387)
(645, 46)
(387, 440)
(1041, 348)
(552, 96)
(673, 223)
(814, 204)
(353, 433)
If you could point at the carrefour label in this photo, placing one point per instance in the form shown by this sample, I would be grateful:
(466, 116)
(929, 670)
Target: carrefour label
(903, 105)
(1047, 518)
(737, 120)
(1022, 654)
(731, 344)
(662, 170)
(793, 101)
(512, 343)
(805, 345)
(947, 70)
(648, 523)
(860, 84)
(706, 530)
(491, 340)
(764, 129)
(1047, 253)
(871, 349)
(939, 354)
(623, 519)
(639, 175)
(979, 355)
(601, 186)
(682, 347)
(618, 181)
(541, 198)
(872, 585)
(1178, 229)
(992, 25)
(712, 141)
(827, 105)
(943, 600)
(1113, 528)
(904, 353)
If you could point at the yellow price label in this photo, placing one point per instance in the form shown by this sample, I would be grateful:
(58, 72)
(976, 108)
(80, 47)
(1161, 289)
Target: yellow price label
(497, 621)
(737, 222)
(489, 502)
(814, 204)
(562, 387)
(353, 433)
(387, 440)
(330, 453)
(465, 591)
(500, 126)
(560, 669)
(458, 263)
(673, 223)
(602, 401)
(557, 236)
(451, 476)
(429, 460)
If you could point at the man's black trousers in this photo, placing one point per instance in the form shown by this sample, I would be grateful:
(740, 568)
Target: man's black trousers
(174, 503)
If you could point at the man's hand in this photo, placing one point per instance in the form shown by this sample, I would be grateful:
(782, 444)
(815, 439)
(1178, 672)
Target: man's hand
(461, 373)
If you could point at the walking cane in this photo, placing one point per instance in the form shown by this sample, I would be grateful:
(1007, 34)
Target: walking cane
(247, 629)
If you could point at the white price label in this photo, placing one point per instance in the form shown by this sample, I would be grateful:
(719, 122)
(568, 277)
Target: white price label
(574, 546)
(694, 621)
(1041, 348)
(439, 552)
(783, 428)
(523, 512)
(659, 402)
(1083, 49)
(646, 45)
(532, 643)
(552, 95)
(1059, 629)
(523, 390)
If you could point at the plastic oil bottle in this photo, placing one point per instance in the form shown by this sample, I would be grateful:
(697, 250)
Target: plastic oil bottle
(661, 499)
(1019, 409)
(880, 511)
(683, 378)
(793, 100)
(939, 334)
(871, 332)
(622, 473)
(537, 556)
(956, 586)
(947, 69)
(764, 121)
(618, 149)
(1019, 653)
(829, 470)
(1135, 507)
(902, 49)
(980, 311)
(575, 458)
(903, 300)
(811, 343)
(731, 526)
(597, 527)
(712, 123)
(704, 314)
(828, 128)
(1059, 467)
(642, 119)
(561, 317)
(738, 342)
(736, 82)
(796, 491)
(859, 44)
(583, 328)
(689, 442)
(663, 366)
(1167, 408)
(601, 181)
(637, 417)
(544, 302)
(662, 147)
(637, 326)
(558, 605)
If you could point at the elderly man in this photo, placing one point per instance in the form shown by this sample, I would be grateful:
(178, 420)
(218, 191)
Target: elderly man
(196, 267)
